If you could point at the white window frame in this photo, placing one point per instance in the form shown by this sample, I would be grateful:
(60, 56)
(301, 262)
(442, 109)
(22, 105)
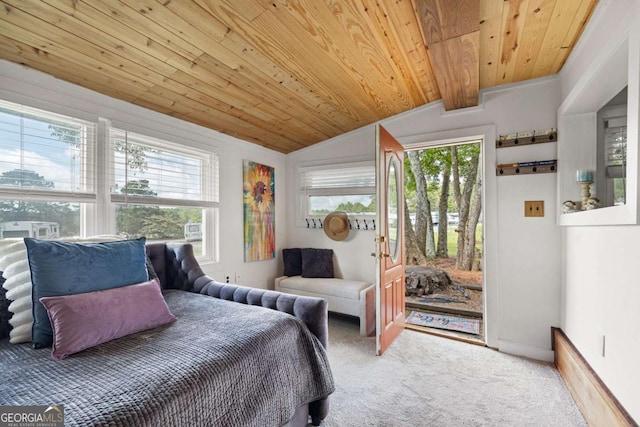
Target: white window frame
(304, 192)
(86, 196)
(209, 184)
(97, 214)
(83, 196)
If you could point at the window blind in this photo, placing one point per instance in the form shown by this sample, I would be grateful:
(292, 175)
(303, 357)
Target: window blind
(44, 155)
(616, 147)
(352, 176)
(147, 170)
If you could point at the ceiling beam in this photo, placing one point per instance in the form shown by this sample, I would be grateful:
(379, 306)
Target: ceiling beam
(451, 30)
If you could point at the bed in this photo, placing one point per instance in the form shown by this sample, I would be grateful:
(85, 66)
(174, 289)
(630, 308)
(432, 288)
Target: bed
(236, 356)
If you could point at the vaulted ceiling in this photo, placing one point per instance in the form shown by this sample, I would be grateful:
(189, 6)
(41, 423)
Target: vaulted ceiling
(286, 74)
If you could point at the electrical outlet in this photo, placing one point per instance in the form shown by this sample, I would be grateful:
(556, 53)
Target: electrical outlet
(534, 208)
(226, 279)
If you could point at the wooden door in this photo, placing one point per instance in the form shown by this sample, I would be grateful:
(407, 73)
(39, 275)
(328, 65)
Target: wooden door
(389, 239)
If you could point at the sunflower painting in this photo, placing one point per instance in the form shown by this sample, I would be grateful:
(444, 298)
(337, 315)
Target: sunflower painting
(259, 212)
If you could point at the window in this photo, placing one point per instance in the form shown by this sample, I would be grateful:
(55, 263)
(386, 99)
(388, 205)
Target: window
(615, 137)
(612, 151)
(348, 187)
(54, 182)
(581, 136)
(46, 172)
(161, 191)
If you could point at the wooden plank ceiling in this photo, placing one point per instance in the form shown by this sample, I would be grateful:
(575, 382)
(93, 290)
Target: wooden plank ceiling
(286, 74)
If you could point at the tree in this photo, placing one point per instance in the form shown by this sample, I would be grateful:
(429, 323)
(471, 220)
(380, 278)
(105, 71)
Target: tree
(138, 187)
(356, 207)
(442, 249)
(413, 254)
(464, 165)
(469, 253)
(162, 225)
(152, 221)
(437, 165)
(65, 214)
(25, 179)
(424, 222)
(131, 220)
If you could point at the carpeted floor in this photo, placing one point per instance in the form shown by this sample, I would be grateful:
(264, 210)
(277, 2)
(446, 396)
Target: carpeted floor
(423, 380)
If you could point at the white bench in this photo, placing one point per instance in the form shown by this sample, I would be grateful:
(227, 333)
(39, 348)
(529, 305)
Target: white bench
(352, 297)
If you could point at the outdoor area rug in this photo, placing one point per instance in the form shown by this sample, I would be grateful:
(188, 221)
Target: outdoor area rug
(444, 321)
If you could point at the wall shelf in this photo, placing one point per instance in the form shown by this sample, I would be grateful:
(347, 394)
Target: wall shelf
(527, 138)
(527, 168)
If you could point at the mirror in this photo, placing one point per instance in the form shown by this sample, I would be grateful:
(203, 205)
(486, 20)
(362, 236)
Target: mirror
(393, 198)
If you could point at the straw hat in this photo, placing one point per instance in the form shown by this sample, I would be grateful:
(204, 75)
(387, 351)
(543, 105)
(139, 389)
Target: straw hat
(336, 226)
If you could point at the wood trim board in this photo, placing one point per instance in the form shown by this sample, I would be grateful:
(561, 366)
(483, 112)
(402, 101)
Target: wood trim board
(596, 402)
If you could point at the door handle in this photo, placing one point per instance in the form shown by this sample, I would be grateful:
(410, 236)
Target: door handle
(382, 255)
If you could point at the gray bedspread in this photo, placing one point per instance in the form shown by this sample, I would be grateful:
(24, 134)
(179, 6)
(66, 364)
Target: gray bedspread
(220, 364)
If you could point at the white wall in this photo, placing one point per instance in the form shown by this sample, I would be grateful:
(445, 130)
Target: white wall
(523, 276)
(353, 255)
(601, 291)
(29, 87)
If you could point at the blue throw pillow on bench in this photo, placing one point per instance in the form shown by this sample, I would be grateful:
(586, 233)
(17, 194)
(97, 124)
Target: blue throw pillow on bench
(60, 268)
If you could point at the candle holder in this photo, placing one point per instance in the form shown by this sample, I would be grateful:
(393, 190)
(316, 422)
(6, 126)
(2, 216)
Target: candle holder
(585, 179)
(586, 193)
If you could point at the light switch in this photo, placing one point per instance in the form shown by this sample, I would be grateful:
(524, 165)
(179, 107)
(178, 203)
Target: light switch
(534, 208)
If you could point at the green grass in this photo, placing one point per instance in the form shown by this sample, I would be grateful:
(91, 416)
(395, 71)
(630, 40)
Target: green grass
(452, 239)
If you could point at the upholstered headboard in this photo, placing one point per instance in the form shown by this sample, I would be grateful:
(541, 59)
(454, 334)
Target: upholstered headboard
(177, 268)
(174, 264)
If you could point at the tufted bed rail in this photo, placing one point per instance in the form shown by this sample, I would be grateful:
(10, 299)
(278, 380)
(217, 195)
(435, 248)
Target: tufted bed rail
(177, 268)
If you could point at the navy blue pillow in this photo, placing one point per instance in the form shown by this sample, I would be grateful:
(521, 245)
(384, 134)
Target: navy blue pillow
(61, 268)
(292, 260)
(317, 263)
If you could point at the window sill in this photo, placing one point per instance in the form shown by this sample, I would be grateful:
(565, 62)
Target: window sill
(612, 215)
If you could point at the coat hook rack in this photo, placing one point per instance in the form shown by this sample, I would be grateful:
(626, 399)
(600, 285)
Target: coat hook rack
(362, 224)
(526, 138)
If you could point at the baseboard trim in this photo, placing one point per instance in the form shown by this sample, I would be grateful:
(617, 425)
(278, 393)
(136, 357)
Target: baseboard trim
(598, 405)
(529, 351)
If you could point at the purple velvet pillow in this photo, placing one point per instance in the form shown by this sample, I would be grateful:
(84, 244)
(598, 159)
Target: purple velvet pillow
(81, 321)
